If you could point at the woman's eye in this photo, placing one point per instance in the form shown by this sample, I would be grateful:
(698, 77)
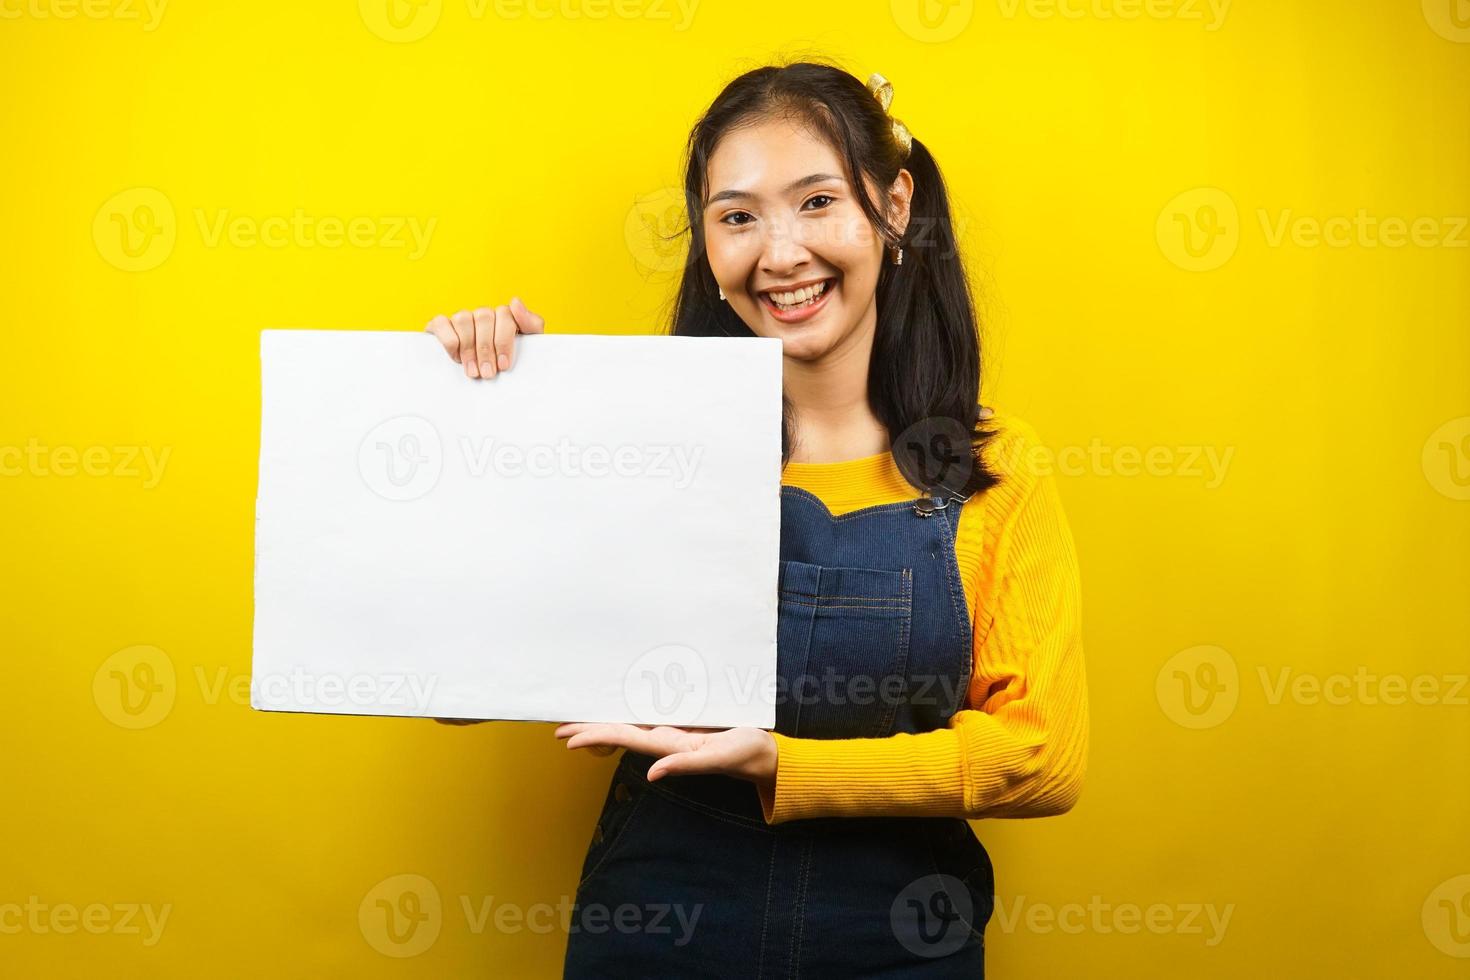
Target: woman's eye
(820, 200)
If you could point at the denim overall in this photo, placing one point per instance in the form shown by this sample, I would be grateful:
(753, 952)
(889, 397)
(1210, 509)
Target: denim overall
(684, 878)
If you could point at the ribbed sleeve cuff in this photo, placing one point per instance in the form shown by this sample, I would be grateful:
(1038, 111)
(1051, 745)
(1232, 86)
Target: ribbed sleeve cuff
(903, 775)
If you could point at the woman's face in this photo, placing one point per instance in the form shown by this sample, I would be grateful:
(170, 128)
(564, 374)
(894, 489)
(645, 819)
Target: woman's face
(781, 216)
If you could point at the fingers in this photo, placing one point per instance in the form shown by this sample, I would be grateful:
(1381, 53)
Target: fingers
(649, 740)
(485, 318)
(526, 321)
(744, 752)
(505, 335)
(441, 327)
(483, 341)
(729, 755)
(568, 728)
(682, 764)
(464, 328)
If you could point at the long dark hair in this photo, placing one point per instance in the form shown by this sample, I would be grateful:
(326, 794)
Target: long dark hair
(924, 376)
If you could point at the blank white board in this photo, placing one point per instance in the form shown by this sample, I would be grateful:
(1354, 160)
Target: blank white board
(591, 536)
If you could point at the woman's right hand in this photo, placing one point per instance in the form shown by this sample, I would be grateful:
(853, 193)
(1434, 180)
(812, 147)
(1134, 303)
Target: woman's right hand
(483, 341)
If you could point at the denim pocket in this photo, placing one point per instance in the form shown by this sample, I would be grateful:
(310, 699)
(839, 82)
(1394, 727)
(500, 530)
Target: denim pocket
(625, 794)
(959, 856)
(842, 649)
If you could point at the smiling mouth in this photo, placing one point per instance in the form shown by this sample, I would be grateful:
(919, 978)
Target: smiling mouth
(790, 302)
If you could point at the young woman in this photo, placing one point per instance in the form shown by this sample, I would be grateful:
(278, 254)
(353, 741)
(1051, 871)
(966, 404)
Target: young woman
(929, 638)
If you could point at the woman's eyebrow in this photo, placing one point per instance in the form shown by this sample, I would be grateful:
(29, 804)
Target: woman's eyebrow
(794, 185)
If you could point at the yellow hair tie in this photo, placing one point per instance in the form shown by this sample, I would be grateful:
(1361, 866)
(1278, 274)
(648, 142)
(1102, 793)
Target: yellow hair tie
(882, 90)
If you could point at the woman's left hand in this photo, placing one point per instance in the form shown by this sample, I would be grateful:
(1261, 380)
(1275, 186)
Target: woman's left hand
(748, 753)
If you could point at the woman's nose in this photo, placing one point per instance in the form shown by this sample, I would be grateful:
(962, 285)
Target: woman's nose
(785, 248)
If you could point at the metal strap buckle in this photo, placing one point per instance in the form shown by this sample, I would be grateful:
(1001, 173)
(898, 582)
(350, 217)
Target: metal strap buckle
(926, 505)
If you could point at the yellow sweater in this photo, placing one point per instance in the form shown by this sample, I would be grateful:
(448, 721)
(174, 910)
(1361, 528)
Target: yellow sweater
(1018, 746)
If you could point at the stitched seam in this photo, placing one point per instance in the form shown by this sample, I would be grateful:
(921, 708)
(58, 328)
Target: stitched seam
(806, 661)
(613, 844)
(804, 494)
(901, 667)
(766, 916)
(939, 880)
(835, 605)
(957, 603)
(850, 598)
(852, 514)
(800, 917)
(951, 564)
(726, 816)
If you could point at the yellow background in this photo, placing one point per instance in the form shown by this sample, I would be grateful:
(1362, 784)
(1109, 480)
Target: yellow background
(1081, 143)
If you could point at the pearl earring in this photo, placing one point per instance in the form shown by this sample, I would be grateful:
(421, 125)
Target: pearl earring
(722, 292)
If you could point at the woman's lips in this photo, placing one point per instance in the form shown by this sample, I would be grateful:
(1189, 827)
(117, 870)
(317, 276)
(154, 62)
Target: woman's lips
(801, 313)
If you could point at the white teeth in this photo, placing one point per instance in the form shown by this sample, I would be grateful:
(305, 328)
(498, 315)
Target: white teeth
(801, 297)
